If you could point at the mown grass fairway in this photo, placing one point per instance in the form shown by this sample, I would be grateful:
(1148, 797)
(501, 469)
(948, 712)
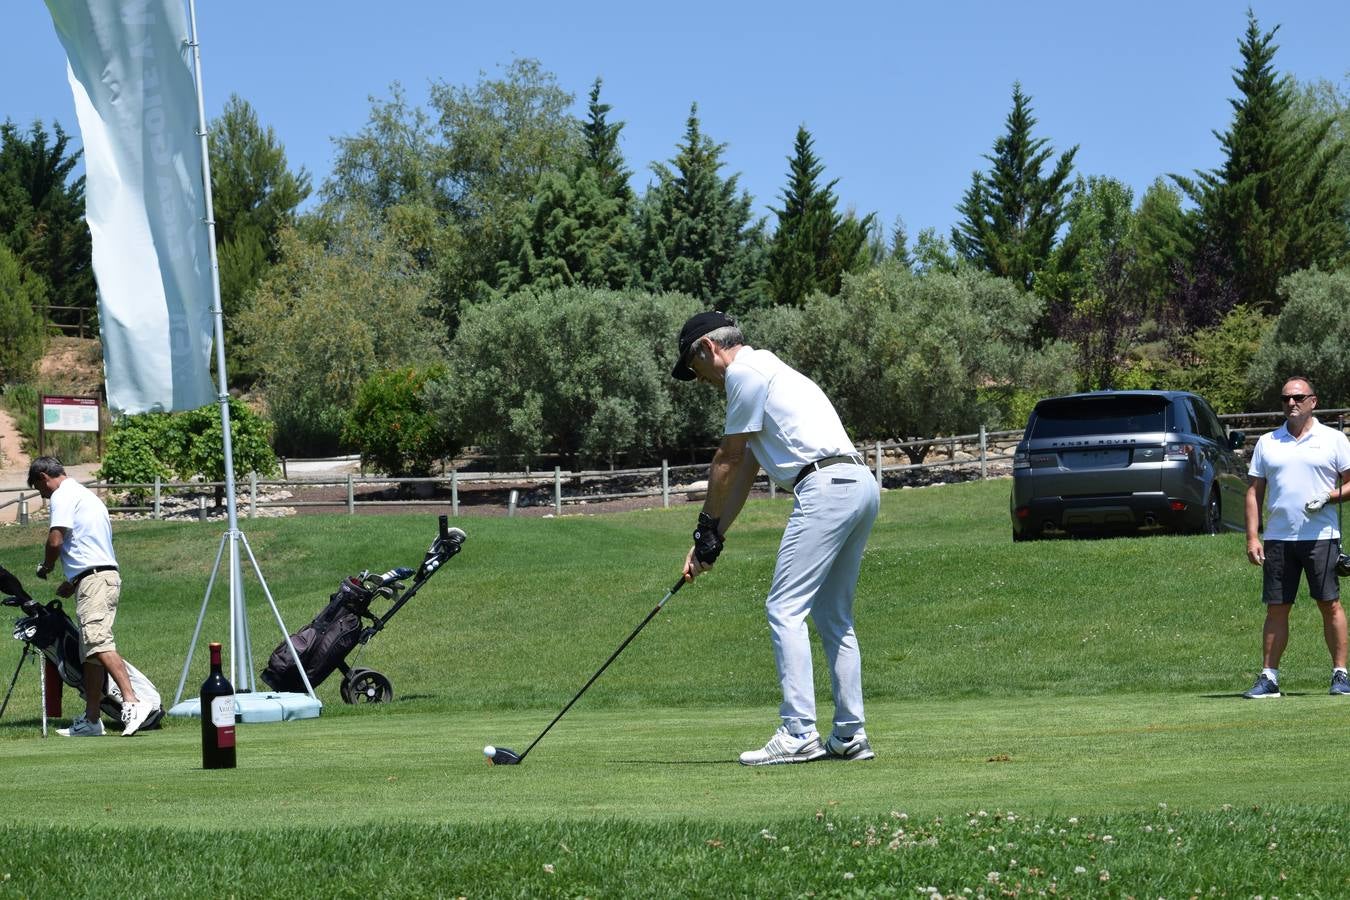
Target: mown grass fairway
(1037, 710)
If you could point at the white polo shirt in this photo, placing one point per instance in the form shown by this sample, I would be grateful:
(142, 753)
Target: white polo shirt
(88, 530)
(1296, 471)
(789, 419)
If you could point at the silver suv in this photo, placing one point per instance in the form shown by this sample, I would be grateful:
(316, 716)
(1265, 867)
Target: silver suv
(1126, 461)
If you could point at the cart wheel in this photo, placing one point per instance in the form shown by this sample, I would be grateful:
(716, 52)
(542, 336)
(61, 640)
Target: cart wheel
(366, 686)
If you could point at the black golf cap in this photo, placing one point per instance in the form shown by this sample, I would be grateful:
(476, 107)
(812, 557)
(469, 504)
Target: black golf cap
(697, 326)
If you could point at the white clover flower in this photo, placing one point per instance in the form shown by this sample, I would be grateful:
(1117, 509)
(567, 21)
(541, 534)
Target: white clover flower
(1104, 876)
(1073, 820)
(1106, 839)
(992, 877)
(848, 876)
(548, 867)
(1079, 870)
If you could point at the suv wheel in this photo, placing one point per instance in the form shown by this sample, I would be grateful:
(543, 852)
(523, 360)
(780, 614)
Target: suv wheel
(1212, 523)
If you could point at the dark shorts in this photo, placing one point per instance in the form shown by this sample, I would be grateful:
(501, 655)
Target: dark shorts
(1286, 560)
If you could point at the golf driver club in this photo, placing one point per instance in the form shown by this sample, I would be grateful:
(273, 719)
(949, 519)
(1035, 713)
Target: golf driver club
(502, 756)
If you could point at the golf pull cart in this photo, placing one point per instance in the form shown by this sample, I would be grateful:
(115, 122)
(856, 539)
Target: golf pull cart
(49, 632)
(325, 643)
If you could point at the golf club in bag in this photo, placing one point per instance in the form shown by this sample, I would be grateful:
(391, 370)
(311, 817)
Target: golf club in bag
(323, 644)
(50, 632)
(502, 756)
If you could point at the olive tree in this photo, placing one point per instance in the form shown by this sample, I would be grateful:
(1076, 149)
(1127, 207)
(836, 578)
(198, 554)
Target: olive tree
(908, 357)
(1311, 337)
(578, 372)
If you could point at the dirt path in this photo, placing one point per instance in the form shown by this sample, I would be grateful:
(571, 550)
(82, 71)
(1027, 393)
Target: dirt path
(12, 457)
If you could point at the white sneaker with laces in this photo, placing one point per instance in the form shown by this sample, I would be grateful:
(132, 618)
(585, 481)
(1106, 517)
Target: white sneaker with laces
(81, 726)
(855, 747)
(785, 748)
(134, 716)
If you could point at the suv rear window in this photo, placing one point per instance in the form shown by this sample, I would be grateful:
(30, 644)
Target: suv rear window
(1076, 416)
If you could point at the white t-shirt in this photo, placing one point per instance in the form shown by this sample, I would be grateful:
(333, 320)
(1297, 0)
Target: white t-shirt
(789, 419)
(1296, 471)
(88, 530)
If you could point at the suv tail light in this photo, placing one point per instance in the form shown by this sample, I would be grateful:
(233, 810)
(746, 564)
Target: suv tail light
(1021, 458)
(1179, 451)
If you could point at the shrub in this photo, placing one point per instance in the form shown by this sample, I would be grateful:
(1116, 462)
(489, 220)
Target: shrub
(23, 299)
(393, 427)
(185, 445)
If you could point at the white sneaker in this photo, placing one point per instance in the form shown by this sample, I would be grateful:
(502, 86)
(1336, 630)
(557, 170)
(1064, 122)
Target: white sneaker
(134, 716)
(81, 726)
(855, 747)
(785, 748)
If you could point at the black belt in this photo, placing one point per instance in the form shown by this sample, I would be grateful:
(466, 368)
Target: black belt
(827, 461)
(91, 570)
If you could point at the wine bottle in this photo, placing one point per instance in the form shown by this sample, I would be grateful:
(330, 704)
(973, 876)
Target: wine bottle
(217, 711)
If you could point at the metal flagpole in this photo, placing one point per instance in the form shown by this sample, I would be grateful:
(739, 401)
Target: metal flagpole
(240, 653)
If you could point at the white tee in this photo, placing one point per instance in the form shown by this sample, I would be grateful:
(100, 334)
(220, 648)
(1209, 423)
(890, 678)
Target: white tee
(789, 419)
(1296, 471)
(78, 511)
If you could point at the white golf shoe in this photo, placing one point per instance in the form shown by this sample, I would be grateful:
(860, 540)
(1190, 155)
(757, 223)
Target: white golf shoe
(82, 726)
(855, 747)
(134, 716)
(785, 748)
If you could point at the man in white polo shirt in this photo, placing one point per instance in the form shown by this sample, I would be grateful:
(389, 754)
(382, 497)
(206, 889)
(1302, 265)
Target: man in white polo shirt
(1298, 471)
(80, 537)
(780, 420)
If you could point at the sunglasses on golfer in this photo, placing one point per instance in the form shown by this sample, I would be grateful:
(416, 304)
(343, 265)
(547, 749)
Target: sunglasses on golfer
(1297, 398)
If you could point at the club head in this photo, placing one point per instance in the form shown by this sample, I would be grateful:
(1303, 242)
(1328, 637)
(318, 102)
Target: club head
(502, 756)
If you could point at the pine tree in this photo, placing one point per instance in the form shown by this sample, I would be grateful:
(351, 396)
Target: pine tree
(694, 229)
(1275, 204)
(1011, 214)
(578, 228)
(602, 149)
(814, 246)
(42, 216)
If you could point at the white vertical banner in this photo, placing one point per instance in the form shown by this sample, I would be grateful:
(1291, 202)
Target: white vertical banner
(130, 71)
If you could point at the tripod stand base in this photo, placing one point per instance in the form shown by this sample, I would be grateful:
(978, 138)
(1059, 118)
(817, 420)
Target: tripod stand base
(264, 706)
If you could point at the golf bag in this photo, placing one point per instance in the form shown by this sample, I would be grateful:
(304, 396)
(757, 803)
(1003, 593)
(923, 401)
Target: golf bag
(49, 631)
(324, 644)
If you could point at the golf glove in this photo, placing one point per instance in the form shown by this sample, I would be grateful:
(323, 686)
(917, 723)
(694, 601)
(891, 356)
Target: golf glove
(707, 542)
(1317, 502)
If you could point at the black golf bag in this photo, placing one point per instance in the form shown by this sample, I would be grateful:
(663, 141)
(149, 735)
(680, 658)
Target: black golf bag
(49, 631)
(324, 644)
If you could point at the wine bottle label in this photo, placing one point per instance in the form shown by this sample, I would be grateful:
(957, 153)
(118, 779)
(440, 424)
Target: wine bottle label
(222, 716)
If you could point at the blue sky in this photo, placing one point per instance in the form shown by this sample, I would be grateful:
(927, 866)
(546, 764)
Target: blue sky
(903, 99)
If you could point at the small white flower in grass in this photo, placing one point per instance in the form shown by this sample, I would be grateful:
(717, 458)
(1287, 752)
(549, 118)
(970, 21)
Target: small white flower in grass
(767, 835)
(548, 867)
(982, 814)
(895, 814)
(1073, 820)
(1272, 845)
(1104, 875)
(1162, 806)
(1107, 839)
(848, 876)
(992, 877)
(1079, 870)
(1148, 828)
(935, 896)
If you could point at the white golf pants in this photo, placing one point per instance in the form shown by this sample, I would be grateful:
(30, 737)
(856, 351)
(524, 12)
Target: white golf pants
(817, 575)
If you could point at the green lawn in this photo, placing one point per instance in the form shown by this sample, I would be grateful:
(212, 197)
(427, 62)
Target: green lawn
(1025, 702)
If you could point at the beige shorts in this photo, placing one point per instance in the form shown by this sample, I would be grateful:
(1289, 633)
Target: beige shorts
(95, 609)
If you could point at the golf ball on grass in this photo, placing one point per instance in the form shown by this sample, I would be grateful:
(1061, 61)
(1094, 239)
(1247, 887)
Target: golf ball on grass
(489, 751)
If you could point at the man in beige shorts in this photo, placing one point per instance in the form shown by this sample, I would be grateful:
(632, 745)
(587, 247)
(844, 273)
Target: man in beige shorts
(80, 538)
